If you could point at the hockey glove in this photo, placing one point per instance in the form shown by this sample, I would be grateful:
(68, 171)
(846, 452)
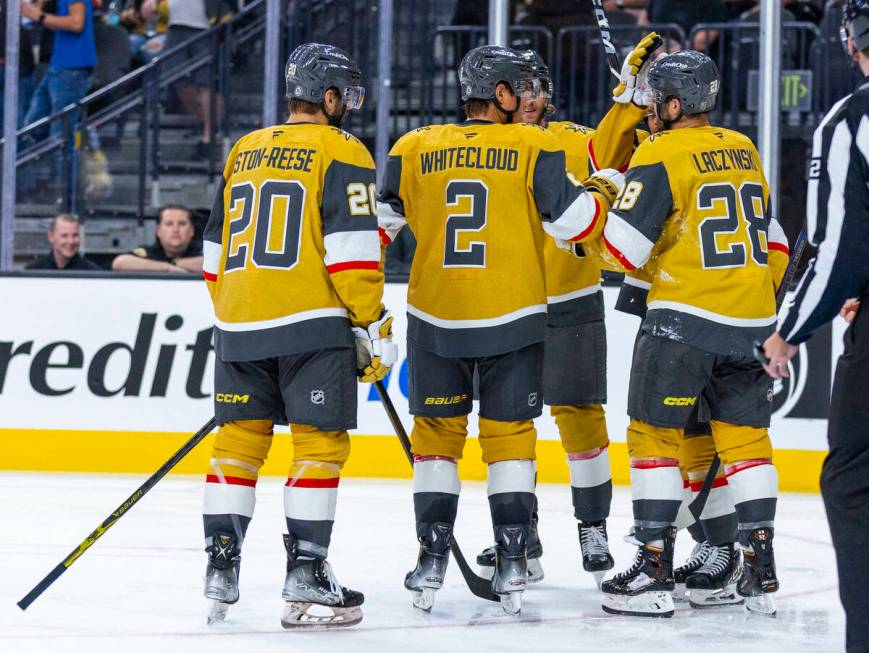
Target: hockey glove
(632, 80)
(607, 183)
(375, 351)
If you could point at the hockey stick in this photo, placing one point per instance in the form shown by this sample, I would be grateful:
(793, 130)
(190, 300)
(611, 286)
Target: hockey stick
(119, 512)
(478, 585)
(603, 26)
(696, 506)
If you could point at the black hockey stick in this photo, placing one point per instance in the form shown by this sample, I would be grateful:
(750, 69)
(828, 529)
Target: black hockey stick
(478, 585)
(603, 25)
(696, 506)
(119, 512)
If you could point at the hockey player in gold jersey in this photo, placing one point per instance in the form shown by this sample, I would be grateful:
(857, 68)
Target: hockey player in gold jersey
(479, 197)
(292, 262)
(694, 210)
(574, 366)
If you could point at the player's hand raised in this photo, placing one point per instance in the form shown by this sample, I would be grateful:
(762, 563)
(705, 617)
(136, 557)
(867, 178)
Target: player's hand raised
(375, 351)
(633, 74)
(606, 182)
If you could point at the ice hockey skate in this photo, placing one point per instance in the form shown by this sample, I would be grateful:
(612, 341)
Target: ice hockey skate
(221, 576)
(486, 558)
(758, 581)
(645, 589)
(511, 566)
(594, 544)
(714, 582)
(691, 564)
(431, 566)
(315, 598)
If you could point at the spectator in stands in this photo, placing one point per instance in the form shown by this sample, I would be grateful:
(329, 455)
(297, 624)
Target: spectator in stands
(26, 66)
(174, 250)
(187, 20)
(147, 21)
(687, 13)
(73, 57)
(64, 236)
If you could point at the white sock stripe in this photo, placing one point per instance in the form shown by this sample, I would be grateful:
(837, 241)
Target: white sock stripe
(436, 476)
(759, 482)
(718, 504)
(310, 503)
(511, 476)
(661, 483)
(227, 499)
(590, 472)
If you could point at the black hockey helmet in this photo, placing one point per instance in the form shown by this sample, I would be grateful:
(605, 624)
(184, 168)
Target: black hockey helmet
(314, 68)
(483, 68)
(855, 23)
(688, 75)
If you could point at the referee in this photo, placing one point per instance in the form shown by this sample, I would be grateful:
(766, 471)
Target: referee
(837, 281)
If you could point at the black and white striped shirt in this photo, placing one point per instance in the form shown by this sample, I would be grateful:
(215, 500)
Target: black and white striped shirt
(838, 218)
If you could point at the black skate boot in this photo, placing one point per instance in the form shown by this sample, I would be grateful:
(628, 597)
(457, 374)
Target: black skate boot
(714, 583)
(645, 589)
(315, 598)
(594, 544)
(758, 580)
(486, 558)
(431, 565)
(221, 575)
(511, 566)
(698, 556)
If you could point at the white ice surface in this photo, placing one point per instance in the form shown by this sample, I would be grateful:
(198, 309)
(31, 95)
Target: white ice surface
(139, 588)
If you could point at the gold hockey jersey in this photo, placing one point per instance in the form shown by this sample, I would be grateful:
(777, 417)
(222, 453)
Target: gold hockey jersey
(478, 197)
(292, 254)
(573, 282)
(694, 211)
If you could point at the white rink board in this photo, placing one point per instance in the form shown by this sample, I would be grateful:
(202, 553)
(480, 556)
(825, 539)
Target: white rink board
(86, 315)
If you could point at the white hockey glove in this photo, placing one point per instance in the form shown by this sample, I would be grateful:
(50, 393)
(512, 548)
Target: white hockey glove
(375, 351)
(632, 80)
(606, 182)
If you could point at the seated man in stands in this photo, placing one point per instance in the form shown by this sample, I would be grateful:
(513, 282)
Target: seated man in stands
(64, 236)
(174, 250)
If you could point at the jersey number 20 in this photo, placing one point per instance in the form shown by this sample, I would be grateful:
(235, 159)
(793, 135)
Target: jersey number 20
(750, 201)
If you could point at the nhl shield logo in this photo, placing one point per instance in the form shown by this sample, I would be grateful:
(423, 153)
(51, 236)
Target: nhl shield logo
(532, 399)
(318, 397)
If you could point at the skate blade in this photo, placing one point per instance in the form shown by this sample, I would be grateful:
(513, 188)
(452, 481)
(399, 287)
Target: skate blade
(298, 614)
(216, 611)
(763, 605)
(680, 593)
(598, 577)
(424, 598)
(702, 599)
(511, 602)
(646, 604)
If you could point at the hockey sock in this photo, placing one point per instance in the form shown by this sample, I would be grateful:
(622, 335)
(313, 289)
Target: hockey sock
(310, 495)
(229, 499)
(718, 519)
(754, 487)
(591, 484)
(436, 488)
(511, 492)
(657, 493)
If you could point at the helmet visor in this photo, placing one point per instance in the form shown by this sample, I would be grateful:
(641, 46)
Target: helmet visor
(535, 87)
(353, 97)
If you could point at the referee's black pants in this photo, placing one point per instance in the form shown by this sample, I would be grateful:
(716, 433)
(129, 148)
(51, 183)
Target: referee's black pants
(845, 479)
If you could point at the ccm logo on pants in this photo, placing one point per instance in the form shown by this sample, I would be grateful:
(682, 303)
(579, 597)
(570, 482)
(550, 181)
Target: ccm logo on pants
(680, 401)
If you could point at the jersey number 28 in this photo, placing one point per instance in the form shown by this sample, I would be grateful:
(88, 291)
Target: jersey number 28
(747, 201)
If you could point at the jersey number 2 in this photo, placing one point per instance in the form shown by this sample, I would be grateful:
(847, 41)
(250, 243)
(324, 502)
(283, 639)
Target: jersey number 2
(265, 218)
(473, 256)
(750, 197)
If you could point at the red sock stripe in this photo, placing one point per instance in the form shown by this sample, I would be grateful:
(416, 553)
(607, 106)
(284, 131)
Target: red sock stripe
(735, 468)
(423, 459)
(779, 247)
(685, 485)
(654, 463)
(590, 228)
(209, 277)
(313, 482)
(720, 481)
(587, 455)
(231, 480)
(619, 256)
(352, 265)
